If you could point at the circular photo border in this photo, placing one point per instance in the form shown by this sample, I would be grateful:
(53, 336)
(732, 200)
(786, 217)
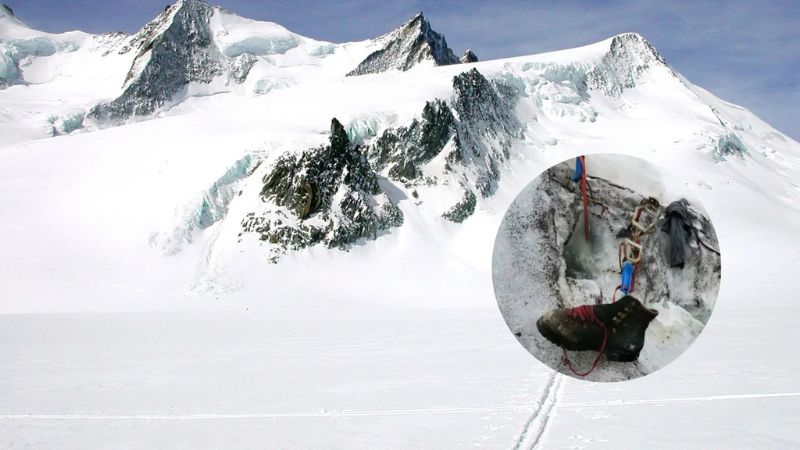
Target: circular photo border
(606, 267)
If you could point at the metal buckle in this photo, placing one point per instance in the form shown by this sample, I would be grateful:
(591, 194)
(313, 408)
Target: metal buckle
(631, 251)
(645, 222)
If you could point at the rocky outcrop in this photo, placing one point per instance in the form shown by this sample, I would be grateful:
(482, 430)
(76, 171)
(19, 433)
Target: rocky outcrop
(471, 133)
(412, 43)
(239, 67)
(463, 209)
(405, 149)
(328, 195)
(6, 11)
(488, 126)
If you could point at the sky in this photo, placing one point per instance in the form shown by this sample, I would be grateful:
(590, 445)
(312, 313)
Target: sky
(747, 53)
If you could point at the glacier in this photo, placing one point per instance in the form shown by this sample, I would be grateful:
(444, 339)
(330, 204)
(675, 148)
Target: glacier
(108, 340)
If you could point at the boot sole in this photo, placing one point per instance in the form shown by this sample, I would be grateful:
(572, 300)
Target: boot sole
(622, 356)
(553, 337)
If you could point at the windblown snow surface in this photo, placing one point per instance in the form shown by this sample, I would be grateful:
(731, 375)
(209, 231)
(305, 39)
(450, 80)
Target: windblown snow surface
(135, 316)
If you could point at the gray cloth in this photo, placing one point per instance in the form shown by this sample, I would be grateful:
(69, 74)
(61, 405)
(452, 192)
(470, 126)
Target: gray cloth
(678, 225)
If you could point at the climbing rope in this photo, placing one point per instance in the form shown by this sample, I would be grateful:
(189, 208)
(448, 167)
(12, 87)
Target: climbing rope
(585, 312)
(580, 174)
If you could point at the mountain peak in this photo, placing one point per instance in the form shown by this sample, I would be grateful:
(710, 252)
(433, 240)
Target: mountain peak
(628, 57)
(174, 49)
(406, 46)
(468, 57)
(417, 24)
(6, 11)
(180, 3)
(636, 43)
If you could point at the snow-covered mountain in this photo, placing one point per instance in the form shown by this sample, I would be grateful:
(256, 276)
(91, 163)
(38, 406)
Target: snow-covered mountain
(292, 159)
(345, 226)
(193, 49)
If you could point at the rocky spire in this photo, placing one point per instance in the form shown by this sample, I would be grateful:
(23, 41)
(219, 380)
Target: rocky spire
(468, 57)
(413, 42)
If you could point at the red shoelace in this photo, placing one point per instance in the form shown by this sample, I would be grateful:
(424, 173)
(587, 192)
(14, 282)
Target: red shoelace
(583, 312)
(586, 313)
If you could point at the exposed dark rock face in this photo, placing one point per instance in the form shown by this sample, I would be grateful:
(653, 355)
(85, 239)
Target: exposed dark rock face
(472, 132)
(6, 10)
(240, 67)
(468, 57)
(327, 195)
(629, 56)
(330, 195)
(404, 149)
(406, 47)
(173, 50)
(463, 209)
(488, 125)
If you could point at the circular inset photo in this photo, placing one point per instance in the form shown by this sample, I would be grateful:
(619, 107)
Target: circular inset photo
(605, 268)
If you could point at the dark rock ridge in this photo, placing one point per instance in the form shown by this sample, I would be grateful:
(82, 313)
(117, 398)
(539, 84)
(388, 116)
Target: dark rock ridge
(6, 10)
(173, 50)
(328, 195)
(463, 209)
(473, 132)
(468, 57)
(405, 149)
(629, 56)
(406, 47)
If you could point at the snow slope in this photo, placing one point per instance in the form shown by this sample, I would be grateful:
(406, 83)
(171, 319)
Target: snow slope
(45, 78)
(83, 216)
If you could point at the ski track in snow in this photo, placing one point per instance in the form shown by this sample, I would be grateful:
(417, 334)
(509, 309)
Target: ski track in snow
(534, 429)
(660, 401)
(536, 424)
(370, 413)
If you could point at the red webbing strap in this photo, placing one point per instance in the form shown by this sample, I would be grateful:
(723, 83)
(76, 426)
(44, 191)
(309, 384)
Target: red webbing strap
(584, 195)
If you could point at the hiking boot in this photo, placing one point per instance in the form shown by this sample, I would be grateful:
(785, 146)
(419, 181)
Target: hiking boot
(621, 325)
